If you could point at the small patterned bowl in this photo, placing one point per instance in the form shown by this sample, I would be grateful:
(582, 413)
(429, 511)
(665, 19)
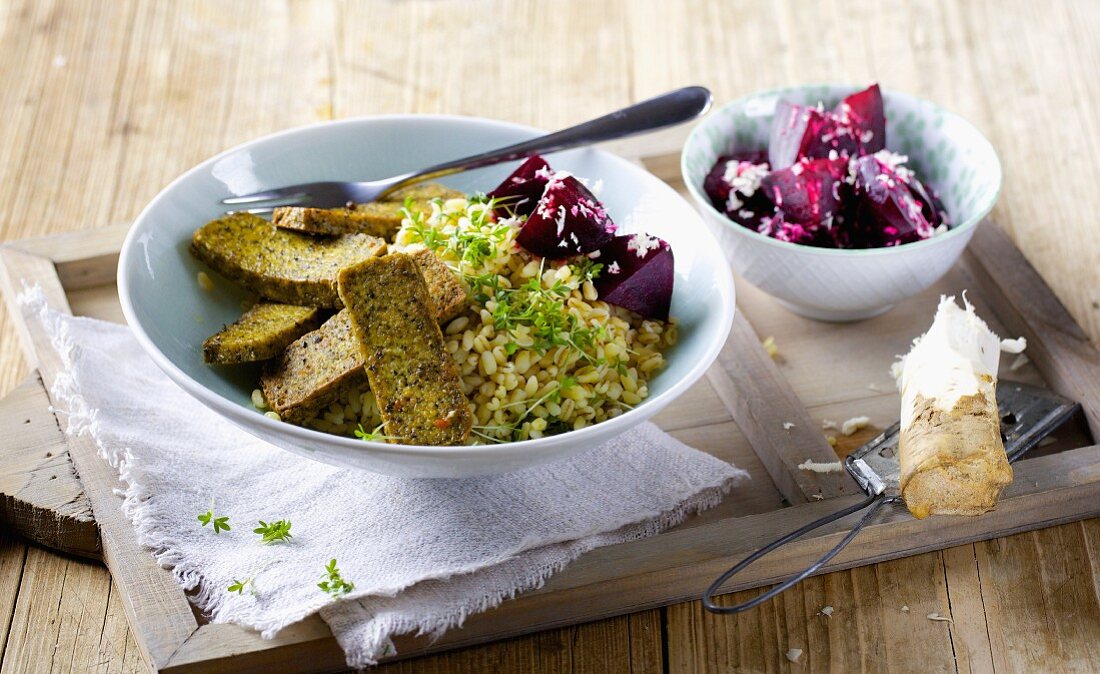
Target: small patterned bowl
(948, 154)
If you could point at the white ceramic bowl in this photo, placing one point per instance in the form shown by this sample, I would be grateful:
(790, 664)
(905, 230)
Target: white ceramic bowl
(170, 315)
(947, 152)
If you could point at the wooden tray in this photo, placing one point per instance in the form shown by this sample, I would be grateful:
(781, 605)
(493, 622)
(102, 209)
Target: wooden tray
(737, 412)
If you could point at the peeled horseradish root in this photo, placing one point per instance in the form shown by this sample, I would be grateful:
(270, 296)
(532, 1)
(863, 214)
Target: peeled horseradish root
(952, 458)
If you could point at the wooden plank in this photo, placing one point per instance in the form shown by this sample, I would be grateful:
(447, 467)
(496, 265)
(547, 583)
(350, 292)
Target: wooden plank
(867, 631)
(1058, 346)
(83, 259)
(13, 554)
(156, 606)
(969, 629)
(61, 608)
(117, 652)
(16, 267)
(41, 497)
(1042, 611)
(1021, 47)
(762, 403)
(627, 644)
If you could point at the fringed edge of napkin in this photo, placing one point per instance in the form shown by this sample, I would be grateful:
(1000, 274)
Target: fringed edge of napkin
(379, 632)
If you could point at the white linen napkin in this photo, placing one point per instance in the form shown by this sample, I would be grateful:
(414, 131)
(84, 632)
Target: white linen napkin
(422, 554)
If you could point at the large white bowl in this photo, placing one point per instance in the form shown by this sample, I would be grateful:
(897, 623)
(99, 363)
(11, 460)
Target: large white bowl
(170, 315)
(948, 153)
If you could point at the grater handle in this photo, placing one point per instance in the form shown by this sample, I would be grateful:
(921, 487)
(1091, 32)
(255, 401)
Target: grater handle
(872, 503)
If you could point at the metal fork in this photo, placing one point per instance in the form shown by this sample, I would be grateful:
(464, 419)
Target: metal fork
(670, 109)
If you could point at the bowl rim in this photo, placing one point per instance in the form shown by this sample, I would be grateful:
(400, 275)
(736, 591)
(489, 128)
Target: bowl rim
(703, 201)
(305, 437)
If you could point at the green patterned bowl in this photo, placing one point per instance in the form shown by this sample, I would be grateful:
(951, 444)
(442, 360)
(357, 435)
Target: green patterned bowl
(948, 154)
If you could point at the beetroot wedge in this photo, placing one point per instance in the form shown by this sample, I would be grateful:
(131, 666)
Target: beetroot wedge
(855, 127)
(808, 192)
(864, 114)
(521, 191)
(722, 177)
(637, 275)
(733, 186)
(794, 128)
(569, 220)
(888, 213)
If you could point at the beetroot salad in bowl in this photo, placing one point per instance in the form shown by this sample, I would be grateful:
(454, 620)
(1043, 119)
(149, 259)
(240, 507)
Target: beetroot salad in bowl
(840, 201)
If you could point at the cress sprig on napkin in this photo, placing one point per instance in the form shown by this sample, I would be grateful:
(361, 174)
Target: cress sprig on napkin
(220, 523)
(276, 531)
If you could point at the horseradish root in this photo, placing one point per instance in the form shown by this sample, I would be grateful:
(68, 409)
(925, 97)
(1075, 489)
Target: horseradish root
(952, 459)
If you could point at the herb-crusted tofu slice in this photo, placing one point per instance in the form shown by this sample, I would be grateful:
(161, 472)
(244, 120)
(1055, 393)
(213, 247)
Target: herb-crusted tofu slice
(322, 365)
(263, 332)
(278, 264)
(378, 218)
(382, 221)
(448, 294)
(414, 378)
(314, 371)
(423, 192)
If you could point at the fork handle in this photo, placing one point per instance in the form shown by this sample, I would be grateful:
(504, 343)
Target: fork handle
(670, 109)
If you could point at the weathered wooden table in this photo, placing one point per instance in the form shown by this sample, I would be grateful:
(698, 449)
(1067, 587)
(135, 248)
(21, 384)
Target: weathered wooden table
(104, 103)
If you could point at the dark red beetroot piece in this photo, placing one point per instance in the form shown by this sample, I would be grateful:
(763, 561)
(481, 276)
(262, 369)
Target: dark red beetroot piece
(637, 275)
(855, 127)
(808, 192)
(892, 208)
(747, 209)
(521, 191)
(715, 184)
(778, 227)
(794, 128)
(865, 113)
(568, 221)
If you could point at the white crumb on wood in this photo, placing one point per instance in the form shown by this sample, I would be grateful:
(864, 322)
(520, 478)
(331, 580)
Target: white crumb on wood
(817, 497)
(826, 611)
(821, 467)
(831, 439)
(940, 618)
(904, 609)
(787, 425)
(1021, 360)
(794, 654)
(852, 425)
(1014, 345)
(828, 424)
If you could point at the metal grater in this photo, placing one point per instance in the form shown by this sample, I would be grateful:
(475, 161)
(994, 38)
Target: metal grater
(1028, 414)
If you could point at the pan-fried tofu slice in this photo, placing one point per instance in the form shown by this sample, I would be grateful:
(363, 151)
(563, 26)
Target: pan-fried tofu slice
(263, 332)
(448, 294)
(423, 192)
(381, 220)
(278, 264)
(321, 366)
(314, 371)
(377, 218)
(414, 378)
